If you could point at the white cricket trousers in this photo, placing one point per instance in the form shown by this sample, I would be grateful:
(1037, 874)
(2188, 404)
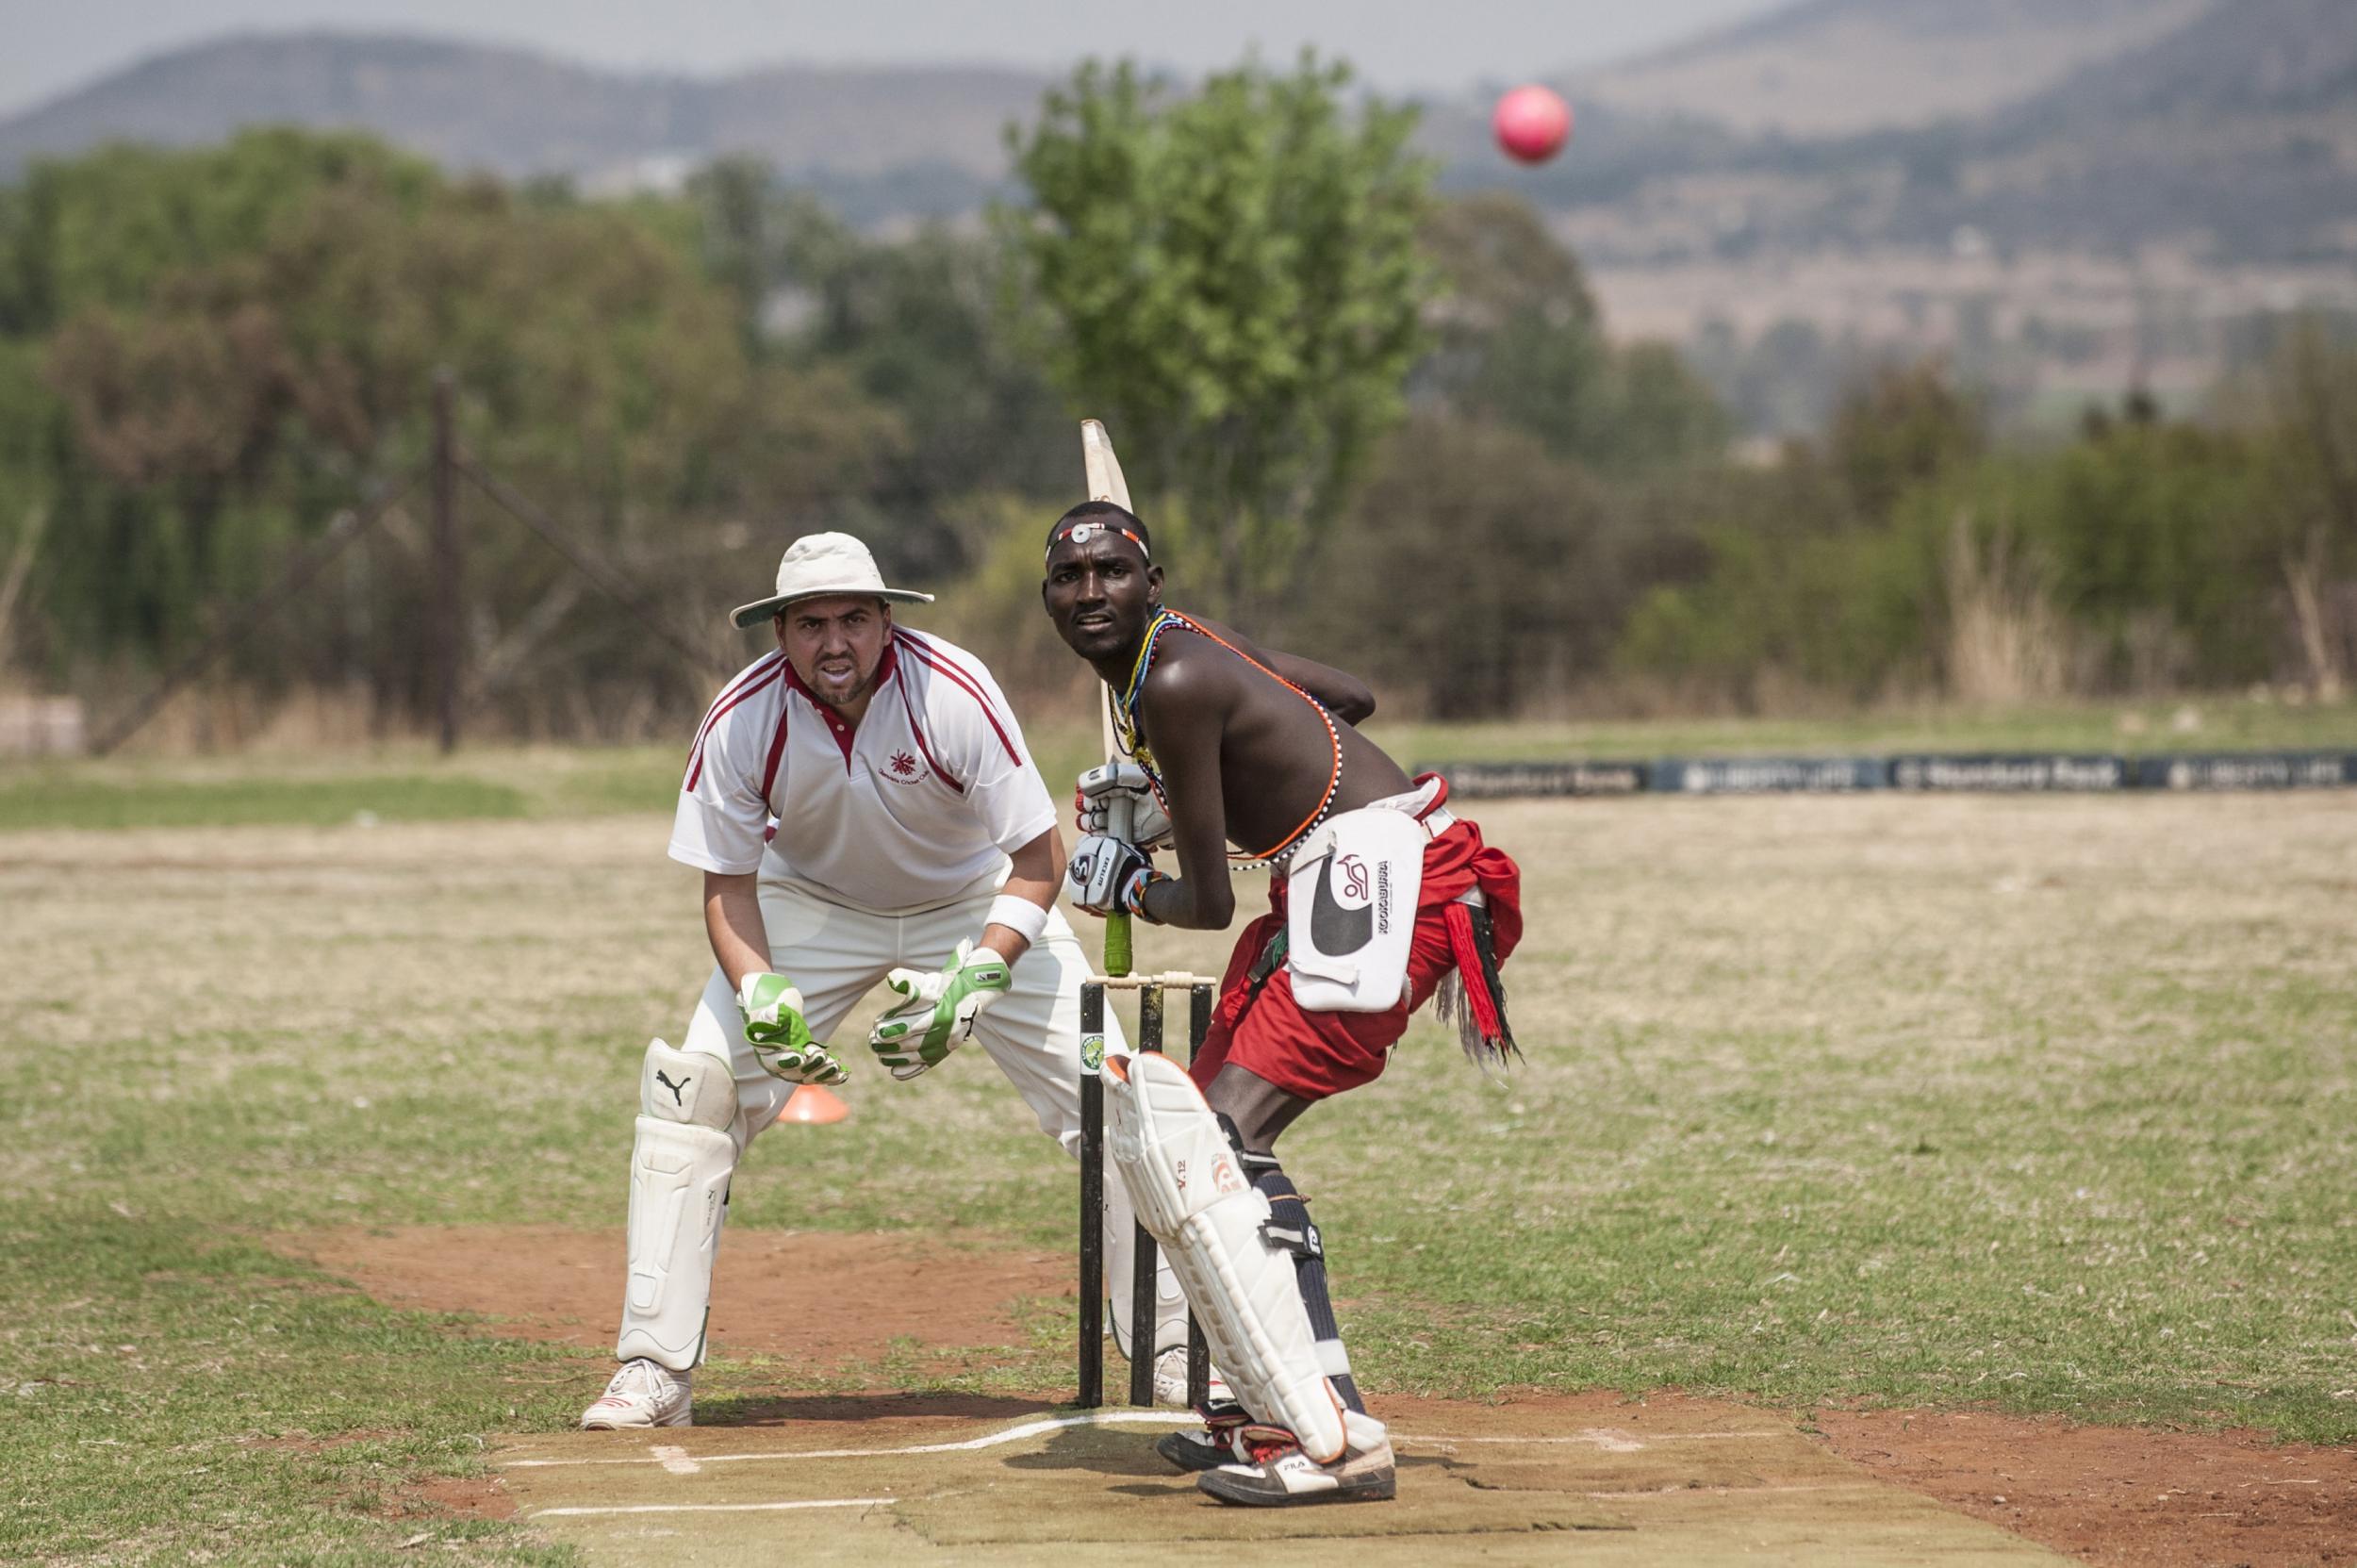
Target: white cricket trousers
(835, 954)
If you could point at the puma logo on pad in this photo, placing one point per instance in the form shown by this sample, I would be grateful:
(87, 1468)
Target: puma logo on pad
(675, 1088)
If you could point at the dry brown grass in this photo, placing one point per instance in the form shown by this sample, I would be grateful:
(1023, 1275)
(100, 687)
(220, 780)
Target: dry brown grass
(1925, 1065)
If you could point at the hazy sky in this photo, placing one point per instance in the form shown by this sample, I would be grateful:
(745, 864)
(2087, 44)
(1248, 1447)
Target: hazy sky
(52, 46)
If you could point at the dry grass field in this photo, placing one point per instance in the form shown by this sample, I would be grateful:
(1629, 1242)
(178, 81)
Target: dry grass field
(2029, 1106)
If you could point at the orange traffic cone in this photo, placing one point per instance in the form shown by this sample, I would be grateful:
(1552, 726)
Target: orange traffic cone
(813, 1105)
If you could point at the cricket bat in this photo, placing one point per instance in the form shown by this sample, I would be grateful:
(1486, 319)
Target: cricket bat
(1106, 484)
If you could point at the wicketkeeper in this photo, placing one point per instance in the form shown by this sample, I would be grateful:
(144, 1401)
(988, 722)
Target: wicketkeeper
(1380, 897)
(864, 808)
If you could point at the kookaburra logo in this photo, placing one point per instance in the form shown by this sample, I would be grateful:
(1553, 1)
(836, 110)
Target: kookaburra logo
(1334, 929)
(675, 1088)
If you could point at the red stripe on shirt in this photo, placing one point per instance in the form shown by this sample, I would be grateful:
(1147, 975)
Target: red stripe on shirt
(777, 749)
(918, 730)
(933, 659)
(729, 699)
(765, 663)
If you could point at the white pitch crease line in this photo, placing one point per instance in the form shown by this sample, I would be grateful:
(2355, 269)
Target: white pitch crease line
(1012, 1434)
(1612, 1440)
(674, 1459)
(713, 1508)
(1683, 1490)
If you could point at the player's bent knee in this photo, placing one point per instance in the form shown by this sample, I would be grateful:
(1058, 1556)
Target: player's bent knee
(685, 1086)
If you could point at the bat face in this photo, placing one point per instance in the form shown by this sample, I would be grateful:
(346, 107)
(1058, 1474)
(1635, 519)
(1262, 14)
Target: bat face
(1105, 483)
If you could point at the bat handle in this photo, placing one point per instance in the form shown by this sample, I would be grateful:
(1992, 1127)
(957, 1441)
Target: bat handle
(1120, 821)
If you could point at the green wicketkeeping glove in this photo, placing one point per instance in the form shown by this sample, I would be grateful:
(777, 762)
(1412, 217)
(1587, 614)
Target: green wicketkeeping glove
(938, 1012)
(772, 1010)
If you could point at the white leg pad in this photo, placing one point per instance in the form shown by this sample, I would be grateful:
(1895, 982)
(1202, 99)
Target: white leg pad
(679, 1193)
(1121, 1251)
(1190, 1191)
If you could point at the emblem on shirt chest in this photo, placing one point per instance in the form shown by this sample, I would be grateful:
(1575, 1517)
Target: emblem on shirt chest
(903, 768)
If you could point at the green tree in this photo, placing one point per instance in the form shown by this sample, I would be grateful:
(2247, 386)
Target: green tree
(1520, 342)
(1899, 427)
(1494, 571)
(223, 412)
(106, 228)
(1232, 281)
(1817, 570)
(2307, 403)
(919, 325)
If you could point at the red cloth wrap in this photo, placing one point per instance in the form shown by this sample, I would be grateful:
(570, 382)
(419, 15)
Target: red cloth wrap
(1318, 1054)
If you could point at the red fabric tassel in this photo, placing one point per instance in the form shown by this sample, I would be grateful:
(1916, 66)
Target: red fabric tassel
(1471, 974)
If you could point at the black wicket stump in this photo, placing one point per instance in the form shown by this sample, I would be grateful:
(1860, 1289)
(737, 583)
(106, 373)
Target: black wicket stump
(1151, 990)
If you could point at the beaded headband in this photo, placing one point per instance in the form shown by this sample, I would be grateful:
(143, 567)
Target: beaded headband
(1088, 528)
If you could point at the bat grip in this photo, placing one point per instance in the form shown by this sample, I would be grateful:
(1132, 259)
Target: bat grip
(1117, 958)
(1120, 822)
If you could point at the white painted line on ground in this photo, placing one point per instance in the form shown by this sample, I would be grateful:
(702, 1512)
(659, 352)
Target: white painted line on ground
(1680, 1489)
(1611, 1439)
(678, 1461)
(711, 1508)
(1012, 1434)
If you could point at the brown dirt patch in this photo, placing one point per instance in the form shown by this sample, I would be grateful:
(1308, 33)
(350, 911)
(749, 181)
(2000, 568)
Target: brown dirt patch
(821, 1297)
(448, 1494)
(2105, 1495)
(2118, 1494)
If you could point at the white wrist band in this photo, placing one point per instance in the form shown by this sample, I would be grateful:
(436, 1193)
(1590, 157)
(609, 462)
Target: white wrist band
(1019, 915)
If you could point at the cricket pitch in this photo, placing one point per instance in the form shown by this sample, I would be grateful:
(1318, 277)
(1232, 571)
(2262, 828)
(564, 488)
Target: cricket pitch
(1688, 1481)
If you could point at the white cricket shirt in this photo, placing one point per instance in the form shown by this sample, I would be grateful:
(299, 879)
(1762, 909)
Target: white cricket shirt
(917, 806)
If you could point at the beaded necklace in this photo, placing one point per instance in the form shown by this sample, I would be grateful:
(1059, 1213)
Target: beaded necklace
(1125, 703)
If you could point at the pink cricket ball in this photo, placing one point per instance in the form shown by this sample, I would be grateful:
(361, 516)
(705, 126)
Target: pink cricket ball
(1532, 123)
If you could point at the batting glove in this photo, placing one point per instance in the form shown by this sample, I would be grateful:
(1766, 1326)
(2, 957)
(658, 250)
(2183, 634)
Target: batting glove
(937, 1010)
(772, 1011)
(1105, 794)
(1108, 876)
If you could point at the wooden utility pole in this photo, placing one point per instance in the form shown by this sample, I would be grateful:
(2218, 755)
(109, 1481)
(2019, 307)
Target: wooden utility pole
(445, 618)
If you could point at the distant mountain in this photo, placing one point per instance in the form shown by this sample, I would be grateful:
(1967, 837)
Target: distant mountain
(2231, 135)
(2229, 126)
(1838, 67)
(2237, 133)
(517, 113)
(2237, 58)
(2067, 196)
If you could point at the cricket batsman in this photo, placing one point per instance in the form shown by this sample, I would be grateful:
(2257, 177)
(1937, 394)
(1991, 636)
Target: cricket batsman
(862, 808)
(1379, 897)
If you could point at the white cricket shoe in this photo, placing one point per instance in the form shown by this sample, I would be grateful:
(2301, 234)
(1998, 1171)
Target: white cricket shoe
(1282, 1476)
(1170, 1381)
(643, 1393)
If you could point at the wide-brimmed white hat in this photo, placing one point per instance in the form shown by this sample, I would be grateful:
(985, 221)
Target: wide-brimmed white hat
(817, 565)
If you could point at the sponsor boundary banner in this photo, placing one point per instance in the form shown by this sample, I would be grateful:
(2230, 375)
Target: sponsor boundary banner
(1957, 773)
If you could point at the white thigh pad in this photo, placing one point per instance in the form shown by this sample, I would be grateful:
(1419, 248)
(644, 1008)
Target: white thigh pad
(679, 1193)
(1350, 911)
(1190, 1190)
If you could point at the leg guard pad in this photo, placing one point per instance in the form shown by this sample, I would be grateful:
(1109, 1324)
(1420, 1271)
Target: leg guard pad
(1170, 1303)
(679, 1189)
(1189, 1186)
(686, 1086)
